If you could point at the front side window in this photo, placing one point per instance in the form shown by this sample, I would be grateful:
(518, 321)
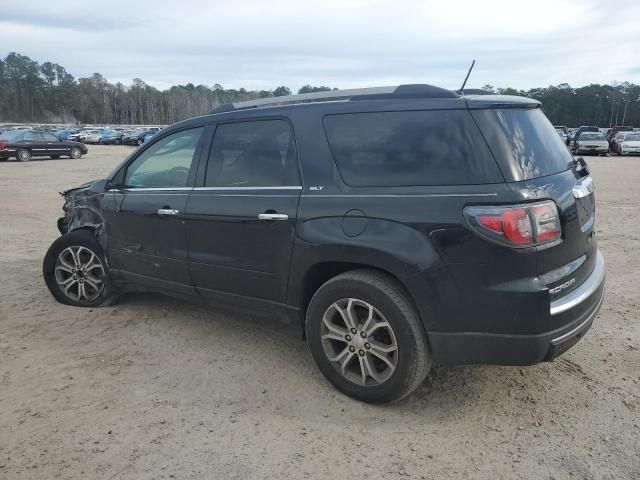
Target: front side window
(253, 154)
(166, 163)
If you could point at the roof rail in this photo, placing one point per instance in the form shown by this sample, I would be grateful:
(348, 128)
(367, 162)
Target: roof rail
(371, 93)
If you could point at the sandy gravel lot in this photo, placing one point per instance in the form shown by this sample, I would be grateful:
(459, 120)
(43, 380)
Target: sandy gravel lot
(157, 388)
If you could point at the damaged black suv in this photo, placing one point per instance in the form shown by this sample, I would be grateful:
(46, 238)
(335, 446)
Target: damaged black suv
(393, 226)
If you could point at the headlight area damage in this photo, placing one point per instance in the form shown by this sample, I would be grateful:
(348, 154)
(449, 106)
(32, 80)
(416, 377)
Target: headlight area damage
(83, 209)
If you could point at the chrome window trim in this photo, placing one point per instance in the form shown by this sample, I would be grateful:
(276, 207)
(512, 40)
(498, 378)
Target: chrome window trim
(584, 291)
(149, 189)
(405, 195)
(202, 189)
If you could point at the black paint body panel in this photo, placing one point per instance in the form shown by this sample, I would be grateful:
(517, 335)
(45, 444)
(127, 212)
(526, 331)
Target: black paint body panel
(471, 295)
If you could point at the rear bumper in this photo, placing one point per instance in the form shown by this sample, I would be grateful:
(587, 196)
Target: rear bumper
(575, 311)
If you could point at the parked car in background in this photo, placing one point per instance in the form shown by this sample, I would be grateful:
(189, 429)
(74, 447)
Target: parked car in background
(112, 137)
(134, 138)
(563, 131)
(589, 142)
(411, 231)
(625, 143)
(94, 136)
(149, 135)
(26, 144)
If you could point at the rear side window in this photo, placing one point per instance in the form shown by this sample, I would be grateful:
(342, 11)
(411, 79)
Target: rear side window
(524, 142)
(253, 154)
(410, 148)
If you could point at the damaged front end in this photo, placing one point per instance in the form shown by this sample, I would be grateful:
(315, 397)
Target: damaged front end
(83, 207)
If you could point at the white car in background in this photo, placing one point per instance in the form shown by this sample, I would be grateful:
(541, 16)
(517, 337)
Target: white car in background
(628, 143)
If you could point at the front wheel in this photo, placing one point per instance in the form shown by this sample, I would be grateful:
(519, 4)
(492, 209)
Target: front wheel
(75, 271)
(366, 338)
(76, 152)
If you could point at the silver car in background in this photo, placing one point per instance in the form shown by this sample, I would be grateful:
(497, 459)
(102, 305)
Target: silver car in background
(593, 143)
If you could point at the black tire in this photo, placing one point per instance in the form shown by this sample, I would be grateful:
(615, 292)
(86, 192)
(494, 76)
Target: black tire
(139, 142)
(413, 359)
(75, 152)
(23, 154)
(84, 240)
(55, 157)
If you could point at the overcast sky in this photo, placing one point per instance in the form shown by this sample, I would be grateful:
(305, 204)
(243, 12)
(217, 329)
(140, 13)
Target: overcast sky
(341, 43)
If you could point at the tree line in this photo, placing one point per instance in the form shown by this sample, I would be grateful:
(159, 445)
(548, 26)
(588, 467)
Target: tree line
(34, 92)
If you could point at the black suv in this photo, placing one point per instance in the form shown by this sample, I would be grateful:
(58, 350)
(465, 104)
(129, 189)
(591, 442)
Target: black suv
(394, 226)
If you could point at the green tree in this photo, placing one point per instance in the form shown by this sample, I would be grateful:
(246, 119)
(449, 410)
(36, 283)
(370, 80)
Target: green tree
(281, 91)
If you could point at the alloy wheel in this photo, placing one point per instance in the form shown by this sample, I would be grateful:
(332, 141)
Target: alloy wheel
(359, 342)
(79, 274)
(24, 155)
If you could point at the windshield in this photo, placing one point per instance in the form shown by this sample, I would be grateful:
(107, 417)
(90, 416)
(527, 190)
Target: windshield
(593, 137)
(524, 142)
(634, 137)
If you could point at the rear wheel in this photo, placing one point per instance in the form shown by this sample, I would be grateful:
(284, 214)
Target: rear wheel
(75, 271)
(366, 338)
(23, 155)
(75, 152)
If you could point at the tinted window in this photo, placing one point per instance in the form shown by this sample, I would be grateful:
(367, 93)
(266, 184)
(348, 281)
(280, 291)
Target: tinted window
(166, 163)
(253, 154)
(524, 142)
(410, 148)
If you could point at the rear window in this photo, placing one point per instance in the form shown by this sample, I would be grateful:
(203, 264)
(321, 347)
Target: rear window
(524, 142)
(410, 148)
(593, 136)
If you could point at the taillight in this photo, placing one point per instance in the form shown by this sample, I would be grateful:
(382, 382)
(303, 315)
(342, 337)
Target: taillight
(3, 144)
(517, 225)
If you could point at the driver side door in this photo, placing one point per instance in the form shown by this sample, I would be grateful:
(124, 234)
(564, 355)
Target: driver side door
(146, 229)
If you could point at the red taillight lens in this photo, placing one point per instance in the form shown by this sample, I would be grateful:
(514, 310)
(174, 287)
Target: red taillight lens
(3, 144)
(519, 226)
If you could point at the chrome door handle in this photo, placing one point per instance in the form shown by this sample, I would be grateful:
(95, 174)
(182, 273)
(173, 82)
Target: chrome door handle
(273, 216)
(167, 211)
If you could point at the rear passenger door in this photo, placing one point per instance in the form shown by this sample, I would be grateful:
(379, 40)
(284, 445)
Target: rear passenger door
(241, 217)
(54, 145)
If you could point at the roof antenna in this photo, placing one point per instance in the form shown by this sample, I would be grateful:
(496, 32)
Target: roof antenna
(466, 78)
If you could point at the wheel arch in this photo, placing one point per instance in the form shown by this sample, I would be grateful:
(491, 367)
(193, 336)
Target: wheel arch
(317, 274)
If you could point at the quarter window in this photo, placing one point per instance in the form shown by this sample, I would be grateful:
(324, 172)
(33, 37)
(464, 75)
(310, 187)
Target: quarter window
(253, 154)
(166, 163)
(410, 148)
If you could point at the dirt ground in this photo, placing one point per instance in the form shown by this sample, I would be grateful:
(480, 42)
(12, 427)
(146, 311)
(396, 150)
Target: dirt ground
(158, 388)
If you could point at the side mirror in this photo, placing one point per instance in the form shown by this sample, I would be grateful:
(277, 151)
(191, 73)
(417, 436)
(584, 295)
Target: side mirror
(581, 167)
